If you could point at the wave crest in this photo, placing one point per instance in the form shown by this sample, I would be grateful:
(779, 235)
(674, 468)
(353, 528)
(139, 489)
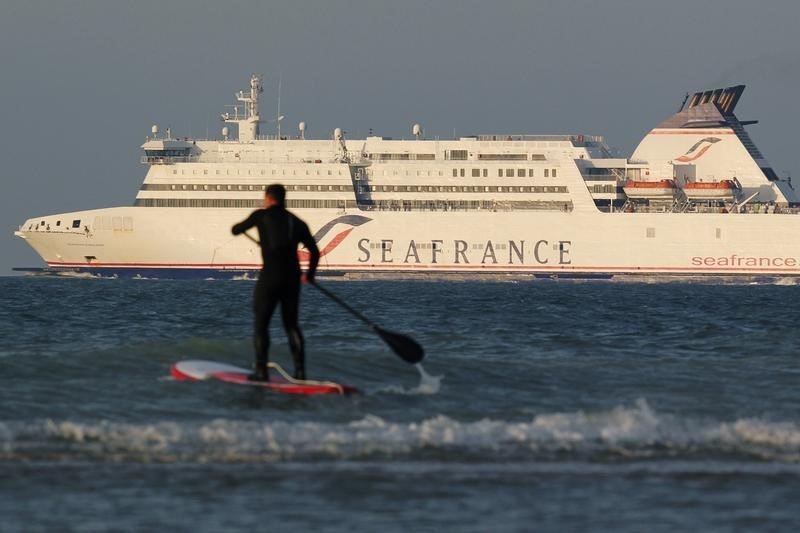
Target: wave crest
(622, 433)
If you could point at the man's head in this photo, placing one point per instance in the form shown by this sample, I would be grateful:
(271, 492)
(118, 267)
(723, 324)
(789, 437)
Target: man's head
(275, 194)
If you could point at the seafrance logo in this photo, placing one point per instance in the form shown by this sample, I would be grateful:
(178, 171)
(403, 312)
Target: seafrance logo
(462, 252)
(698, 149)
(511, 252)
(350, 221)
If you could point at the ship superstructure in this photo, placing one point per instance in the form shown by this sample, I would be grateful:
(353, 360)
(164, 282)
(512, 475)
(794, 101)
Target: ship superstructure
(696, 197)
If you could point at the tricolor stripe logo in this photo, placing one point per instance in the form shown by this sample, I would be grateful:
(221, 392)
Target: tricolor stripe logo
(698, 149)
(349, 221)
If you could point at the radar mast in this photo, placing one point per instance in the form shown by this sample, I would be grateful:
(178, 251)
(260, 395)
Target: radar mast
(245, 115)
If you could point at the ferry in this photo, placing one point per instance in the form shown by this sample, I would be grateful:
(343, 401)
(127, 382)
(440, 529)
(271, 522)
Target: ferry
(696, 198)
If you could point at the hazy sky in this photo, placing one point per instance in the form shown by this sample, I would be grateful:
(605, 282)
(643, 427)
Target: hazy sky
(82, 81)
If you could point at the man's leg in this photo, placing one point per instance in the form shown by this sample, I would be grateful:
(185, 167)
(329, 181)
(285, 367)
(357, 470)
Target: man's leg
(264, 303)
(290, 305)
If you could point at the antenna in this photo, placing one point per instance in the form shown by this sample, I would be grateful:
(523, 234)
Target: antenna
(280, 76)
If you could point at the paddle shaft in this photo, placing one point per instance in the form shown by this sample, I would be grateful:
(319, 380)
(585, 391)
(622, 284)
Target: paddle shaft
(404, 346)
(344, 304)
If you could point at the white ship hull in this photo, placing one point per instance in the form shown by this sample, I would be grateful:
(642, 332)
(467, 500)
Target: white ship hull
(174, 242)
(523, 205)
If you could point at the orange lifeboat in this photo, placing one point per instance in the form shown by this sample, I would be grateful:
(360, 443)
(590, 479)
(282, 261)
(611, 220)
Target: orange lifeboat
(651, 190)
(711, 190)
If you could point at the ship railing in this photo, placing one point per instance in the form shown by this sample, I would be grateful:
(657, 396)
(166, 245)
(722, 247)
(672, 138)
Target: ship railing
(600, 177)
(579, 139)
(167, 160)
(688, 207)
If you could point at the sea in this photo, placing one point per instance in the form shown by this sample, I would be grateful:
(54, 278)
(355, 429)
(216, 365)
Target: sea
(541, 405)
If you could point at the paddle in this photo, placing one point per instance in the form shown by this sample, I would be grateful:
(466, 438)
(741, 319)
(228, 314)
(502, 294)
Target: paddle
(404, 346)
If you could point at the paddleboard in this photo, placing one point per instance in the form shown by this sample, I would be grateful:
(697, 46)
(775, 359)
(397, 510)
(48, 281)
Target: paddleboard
(279, 380)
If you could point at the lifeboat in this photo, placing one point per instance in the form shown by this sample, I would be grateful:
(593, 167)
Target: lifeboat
(651, 190)
(711, 190)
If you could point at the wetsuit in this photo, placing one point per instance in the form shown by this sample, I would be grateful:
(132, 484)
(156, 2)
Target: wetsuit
(280, 232)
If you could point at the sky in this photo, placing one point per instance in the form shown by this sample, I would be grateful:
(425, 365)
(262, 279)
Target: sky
(81, 82)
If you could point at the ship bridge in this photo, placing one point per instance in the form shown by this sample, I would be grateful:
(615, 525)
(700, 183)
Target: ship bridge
(166, 151)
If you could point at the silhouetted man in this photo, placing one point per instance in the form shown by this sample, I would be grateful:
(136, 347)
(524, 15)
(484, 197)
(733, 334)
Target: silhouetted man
(280, 232)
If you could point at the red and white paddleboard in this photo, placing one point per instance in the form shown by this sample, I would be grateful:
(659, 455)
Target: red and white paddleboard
(197, 370)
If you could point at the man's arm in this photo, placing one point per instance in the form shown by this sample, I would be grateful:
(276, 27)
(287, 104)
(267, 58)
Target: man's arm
(246, 224)
(311, 245)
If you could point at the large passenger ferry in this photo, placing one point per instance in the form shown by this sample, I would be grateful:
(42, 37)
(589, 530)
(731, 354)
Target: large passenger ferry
(695, 198)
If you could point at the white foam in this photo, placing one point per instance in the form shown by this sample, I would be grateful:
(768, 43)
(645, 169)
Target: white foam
(427, 385)
(630, 433)
(78, 275)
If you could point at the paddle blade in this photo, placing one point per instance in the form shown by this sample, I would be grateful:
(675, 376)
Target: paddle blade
(405, 347)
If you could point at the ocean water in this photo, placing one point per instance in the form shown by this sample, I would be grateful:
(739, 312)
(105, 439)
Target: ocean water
(549, 406)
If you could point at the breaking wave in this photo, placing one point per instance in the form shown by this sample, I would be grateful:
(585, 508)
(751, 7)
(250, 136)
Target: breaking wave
(620, 434)
(80, 275)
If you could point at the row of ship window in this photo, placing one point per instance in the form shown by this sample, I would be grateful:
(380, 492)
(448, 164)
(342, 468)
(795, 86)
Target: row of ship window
(401, 157)
(363, 188)
(457, 172)
(465, 188)
(262, 172)
(453, 155)
(238, 187)
(379, 205)
(44, 225)
(100, 223)
(605, 189)
(508, 172)
(477, 172)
